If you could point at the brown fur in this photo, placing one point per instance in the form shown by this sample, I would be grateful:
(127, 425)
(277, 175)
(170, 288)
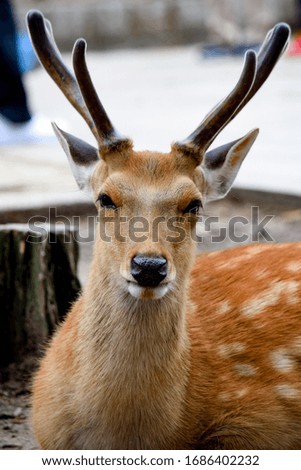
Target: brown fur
(214, 364)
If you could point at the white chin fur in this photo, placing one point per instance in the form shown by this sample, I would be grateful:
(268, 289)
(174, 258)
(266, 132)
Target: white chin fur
(153, 293)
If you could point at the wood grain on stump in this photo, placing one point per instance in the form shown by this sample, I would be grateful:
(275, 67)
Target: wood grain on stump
(38, 283)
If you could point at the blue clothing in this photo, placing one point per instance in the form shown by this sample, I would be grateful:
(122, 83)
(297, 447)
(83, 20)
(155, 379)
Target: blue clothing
(13, 102)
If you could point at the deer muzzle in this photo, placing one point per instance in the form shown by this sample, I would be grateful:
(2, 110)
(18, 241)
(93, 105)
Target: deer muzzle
(149, 271)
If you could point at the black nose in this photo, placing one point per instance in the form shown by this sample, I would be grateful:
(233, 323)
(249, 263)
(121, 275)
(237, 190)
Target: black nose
(148, 271)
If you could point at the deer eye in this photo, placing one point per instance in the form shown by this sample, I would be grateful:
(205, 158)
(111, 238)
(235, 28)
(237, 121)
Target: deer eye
(106, 202)
(193, 207)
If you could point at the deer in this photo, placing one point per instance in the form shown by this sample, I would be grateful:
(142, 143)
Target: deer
(167, 348)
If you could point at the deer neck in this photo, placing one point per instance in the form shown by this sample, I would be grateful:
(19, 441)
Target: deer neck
(138, 354)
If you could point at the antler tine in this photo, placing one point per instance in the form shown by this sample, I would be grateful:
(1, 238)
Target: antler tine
(272, 48)
(214, 122)
(107, 133)
(48, 53)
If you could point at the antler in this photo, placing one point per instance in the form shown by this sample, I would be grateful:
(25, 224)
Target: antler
(256, 70)
(79, 90)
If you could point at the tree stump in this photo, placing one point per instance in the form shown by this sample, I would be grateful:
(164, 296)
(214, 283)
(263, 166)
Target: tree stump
(38, 283)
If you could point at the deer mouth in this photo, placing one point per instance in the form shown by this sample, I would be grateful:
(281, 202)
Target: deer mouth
(147, 292)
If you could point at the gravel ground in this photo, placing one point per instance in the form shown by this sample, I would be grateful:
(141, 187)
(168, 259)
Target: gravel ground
(283, 224)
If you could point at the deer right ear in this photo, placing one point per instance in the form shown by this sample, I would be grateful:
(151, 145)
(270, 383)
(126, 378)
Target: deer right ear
(221, 165)
(82, 157)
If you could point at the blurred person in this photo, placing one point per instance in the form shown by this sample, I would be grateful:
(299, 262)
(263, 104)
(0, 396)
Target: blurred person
(17, 123)
(298, 20)
(295, 46)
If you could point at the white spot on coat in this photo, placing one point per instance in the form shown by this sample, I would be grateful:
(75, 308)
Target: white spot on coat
(223, 307)
(294, 267)
(257, 248)
(230, 349)
(245, 370)
(286, 391)
(281, 361)
(241, 392)
(224, 396)
(271, 297)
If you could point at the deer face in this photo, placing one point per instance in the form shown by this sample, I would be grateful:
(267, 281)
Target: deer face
(149, 202)
(148, 207)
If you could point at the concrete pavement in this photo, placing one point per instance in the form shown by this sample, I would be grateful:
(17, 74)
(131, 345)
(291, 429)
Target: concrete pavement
(156, 96)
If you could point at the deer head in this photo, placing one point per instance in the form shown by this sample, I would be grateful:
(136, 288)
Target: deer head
(168, 189)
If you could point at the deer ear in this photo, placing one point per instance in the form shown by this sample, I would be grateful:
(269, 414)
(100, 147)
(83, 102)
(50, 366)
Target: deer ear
(220, 166)
(82, 157)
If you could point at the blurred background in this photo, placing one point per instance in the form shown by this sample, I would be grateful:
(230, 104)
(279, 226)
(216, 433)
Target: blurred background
(135, 23)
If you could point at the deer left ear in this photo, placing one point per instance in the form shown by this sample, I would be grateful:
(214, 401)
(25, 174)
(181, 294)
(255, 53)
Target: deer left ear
(82, 157)
(220, 166)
